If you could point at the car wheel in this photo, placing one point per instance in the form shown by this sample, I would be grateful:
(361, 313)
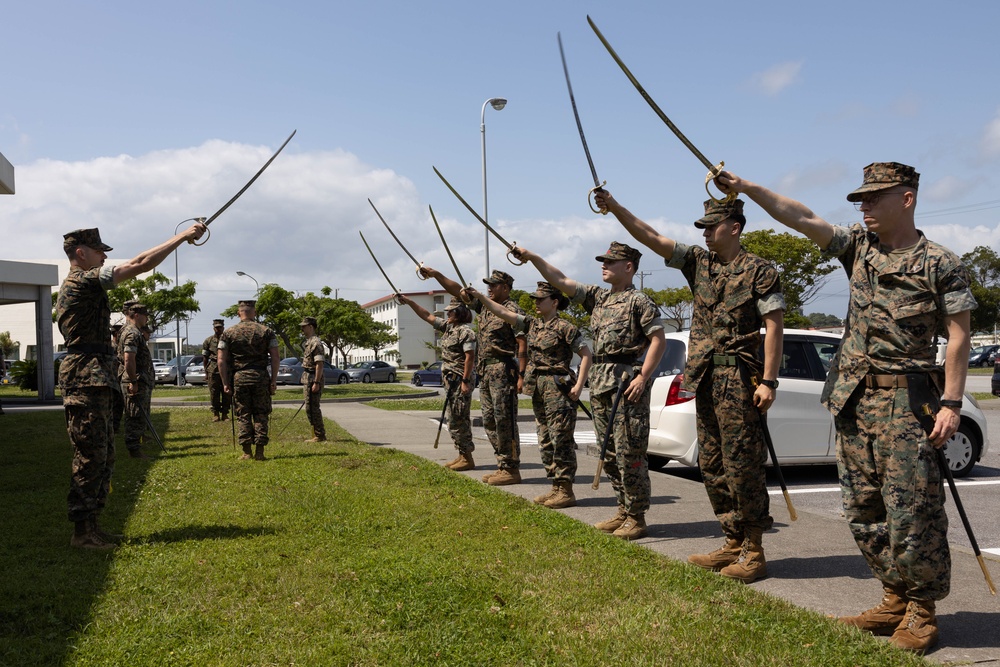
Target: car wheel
(417, 381)
(343, 379)
(392, 377)
(367, 378)
(657, 462)
(962, 451)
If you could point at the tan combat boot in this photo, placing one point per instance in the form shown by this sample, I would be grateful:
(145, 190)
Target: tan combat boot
(247, 453)
(632, 528)
(504, 477)
(721, 557)
(465, 462)
(562, 497)
(259, 454)
(918, 631)
(84, 537)
(540, 500)
(454, 462)
(750, 565)
(883, 618)
(216, 418)
(614, 523)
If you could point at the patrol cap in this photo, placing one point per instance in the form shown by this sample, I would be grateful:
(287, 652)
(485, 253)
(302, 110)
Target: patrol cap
(88, 237)
(308, 321)
(456, 302)
(884, 175)
(546, 290)
(718, 211)
(139, 309)
(248, 303)
(619, 251)
(498, 277)
(127, 306)
(218, 323)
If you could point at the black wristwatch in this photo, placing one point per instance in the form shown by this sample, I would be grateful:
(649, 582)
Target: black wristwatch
(772, 384)
(947, 403)
(465, 380)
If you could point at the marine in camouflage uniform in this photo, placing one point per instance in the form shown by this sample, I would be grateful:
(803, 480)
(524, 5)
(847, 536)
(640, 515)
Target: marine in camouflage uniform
(904, 291)
(245, 349)
(137, 378)
(117, 397)
(86, 373)
(554, 391)
(210, 353)
(313, 378)
(625, 324)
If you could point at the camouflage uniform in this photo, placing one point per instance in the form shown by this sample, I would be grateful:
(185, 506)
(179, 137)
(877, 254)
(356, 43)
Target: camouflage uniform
(86, 381)
(730, 300)
(456, 341)
(313, 355)
(220, 399)
(117, 397)
(550, 350)
(248, 343)
(497, 367)
(136, 406)
(621, 323)
(890, 481)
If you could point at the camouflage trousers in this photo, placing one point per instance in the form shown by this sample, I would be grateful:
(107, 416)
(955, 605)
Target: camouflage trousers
(220, 400)
(136, 409)
(498, 399)
(732, 452)
(88, 422)
(555, 418)
(459, 421)
(117, 408)
(313, 411)
(893, 494)
(252, 412)
(625, 461)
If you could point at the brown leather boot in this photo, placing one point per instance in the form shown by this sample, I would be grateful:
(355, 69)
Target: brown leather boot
(750, 565)
(259, 454)
(216, 418)
(632, 528)
(465, 462)
(883, 618)
(84, 537)
(540, 500)
(614, 523)
(918, 631)
(562, 497)
(504, 477)
(455, 461)
(721, 557)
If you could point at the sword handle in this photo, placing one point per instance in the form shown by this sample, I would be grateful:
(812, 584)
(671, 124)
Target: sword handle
(590, 195)
(511, 257)
(207, 229)
(420, 275)
(716, 170)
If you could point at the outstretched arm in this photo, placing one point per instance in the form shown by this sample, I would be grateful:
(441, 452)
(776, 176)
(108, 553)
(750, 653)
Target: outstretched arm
(554, 276)
(448, 284)
(421, 312)
(640, 231)
(787, 211)
(150, 259)
(508, 316)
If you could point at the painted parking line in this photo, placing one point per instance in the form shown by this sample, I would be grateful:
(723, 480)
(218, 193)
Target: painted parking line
(995, 552)
(836, 489)
(581, 438)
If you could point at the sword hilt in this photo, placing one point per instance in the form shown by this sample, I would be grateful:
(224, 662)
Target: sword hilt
(420, 266)
(590, 194)
(712, 175)
(208, 229)
(511, 257)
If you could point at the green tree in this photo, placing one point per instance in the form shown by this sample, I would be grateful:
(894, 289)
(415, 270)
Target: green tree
(277, 308)
(8, 345)
(800, 263)
(676, 304)
(824, 320)
(378, 337)
(164, 305)
(983, 265)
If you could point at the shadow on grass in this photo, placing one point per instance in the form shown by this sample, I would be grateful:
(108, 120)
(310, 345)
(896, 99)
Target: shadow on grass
(189, 533)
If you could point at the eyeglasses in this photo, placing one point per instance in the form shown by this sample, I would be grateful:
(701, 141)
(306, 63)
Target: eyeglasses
(873, 199)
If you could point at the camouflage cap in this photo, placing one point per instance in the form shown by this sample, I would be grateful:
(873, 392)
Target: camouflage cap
(308, 321)
(218, 323)
(498, 277)
(619, 251)
(546, 290)
(139, 309)
(127, 306)
(248, 303)
(88, 237)
(455, 303)
(717, 211)
(884, 175)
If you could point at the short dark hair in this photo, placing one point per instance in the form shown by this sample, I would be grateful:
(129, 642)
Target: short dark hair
(462, 314)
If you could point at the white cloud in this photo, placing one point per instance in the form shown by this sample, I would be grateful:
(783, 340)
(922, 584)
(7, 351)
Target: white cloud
(776, 78)
(947, 189)
(990, 145)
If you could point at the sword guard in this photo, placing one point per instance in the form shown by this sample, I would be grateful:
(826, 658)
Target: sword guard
(512, 258)
(207, 229)
(716, 170)
(420, 275)
(590, 194)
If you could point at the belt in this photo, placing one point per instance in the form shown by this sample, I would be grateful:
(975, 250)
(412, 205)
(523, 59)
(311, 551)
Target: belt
(497, 360)
(873, 381)
(91, 348)
(549, 371)
(614, 359)
(724, 359)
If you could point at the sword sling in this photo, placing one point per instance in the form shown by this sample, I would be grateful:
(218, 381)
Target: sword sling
(622, 386)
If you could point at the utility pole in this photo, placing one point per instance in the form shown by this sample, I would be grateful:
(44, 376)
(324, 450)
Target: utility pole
(642, 275)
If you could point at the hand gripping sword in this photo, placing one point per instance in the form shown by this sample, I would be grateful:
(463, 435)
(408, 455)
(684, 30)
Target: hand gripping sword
(229, 203)
(420, 265)
(510, 246)
(598, 185)
(394, 290)
(713, 170)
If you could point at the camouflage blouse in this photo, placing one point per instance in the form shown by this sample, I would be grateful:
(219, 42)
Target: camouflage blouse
(496, 338)
(210, 350)
(313, 353)
(899, 302)
(131, 340)
(248, 344)
(84, 317)
(730, 301)
(456, 340)
(550, 346)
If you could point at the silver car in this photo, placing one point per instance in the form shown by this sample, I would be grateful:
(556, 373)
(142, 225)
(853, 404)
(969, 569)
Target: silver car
(371, 371)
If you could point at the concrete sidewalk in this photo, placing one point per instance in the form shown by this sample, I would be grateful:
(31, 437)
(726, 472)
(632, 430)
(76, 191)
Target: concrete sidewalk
(812, 562)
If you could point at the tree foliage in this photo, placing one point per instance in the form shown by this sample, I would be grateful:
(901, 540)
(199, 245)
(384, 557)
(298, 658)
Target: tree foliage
(824, 320)
(164, 305)
(8, 345)
(983, 265)
(676, 304)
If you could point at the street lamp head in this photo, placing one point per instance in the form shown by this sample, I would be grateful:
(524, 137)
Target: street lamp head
(240, 273)
(498, 103)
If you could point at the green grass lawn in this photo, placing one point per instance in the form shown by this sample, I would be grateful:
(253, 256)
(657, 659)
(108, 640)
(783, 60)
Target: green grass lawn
(342, 553)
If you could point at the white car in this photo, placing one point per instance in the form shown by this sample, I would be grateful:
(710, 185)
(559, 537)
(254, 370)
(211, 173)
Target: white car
(801, 428)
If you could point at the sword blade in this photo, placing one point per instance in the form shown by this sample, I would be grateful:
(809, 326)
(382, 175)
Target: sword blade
(250, 182)
(396, 291)
(473, 211)
(576, 114)
(649, 100)
(396, 238)
(446, 249)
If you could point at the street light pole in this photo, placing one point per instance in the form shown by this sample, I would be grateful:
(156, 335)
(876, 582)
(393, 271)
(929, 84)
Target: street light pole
(177, 282)
(247, 275)
(497, 103)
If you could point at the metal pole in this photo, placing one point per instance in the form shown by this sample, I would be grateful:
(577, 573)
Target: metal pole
(497, 103)
(177, 282)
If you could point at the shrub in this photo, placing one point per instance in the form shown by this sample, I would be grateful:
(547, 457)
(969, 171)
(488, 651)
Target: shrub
(25, 374)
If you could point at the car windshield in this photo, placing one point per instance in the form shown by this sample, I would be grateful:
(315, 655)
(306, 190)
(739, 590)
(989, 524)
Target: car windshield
(186, 359)
(361, 364)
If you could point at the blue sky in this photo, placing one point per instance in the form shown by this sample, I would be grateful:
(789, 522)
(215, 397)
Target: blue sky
(133, 117)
